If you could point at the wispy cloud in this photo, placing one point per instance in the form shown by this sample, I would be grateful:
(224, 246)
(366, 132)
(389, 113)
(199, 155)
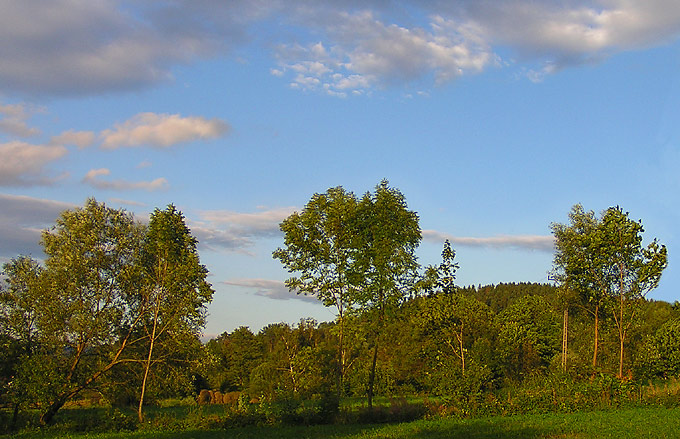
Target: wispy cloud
(272, 289)
(161, 131)
(25, 164)
(93, 178)
(237, 231)
(523, 242)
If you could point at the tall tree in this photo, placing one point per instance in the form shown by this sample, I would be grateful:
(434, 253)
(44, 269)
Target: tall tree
(353, 253)
(633, 270)
(579, 267)
(85, 321)
(18, 324)
(603, 260)
(319, 244)
(388, 236)
(175, 291)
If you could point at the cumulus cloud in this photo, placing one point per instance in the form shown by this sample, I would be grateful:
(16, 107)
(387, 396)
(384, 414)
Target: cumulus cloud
(365, 51)
(81, 139)
(161, 131)
(465, 37)
(13, 119)
(522, 242)
(93, 178)
(237, 231)
(24, 164)
(273, 289)
(22, 219)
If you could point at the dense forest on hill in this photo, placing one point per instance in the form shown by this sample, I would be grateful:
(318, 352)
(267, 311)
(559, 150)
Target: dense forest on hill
(114, 314)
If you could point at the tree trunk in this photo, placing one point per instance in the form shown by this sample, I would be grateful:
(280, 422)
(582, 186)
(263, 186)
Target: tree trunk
(52, 410)
(152, 340)
(140, 413)
(597, 324)
(565, 323)
(341, 358)
(371, 376)
(621, 358)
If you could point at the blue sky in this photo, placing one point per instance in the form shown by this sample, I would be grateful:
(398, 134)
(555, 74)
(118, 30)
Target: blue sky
(492, 117)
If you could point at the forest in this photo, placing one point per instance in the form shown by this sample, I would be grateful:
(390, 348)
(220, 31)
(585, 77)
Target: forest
(112, 317)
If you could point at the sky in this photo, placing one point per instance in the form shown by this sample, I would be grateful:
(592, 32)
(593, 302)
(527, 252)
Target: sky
(492, 117)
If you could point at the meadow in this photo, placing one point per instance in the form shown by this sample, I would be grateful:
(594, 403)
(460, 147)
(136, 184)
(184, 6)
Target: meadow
(640, 422)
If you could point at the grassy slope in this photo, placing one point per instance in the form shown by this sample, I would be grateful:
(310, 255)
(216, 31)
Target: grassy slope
(618, 424)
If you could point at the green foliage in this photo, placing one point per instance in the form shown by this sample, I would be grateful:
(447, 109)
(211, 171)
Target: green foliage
(660, 354)
(528, 336)
(174, 295)
(601, 261)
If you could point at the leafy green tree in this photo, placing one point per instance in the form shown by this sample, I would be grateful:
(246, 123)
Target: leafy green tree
(388, 236)
(579, 267)
(634, 270)
(320, 246)
(604, 262)
(18, 324)
(84, 321)
(175, 291)
(528, 336)
(237, 353)
(353, 253)
(660, 354)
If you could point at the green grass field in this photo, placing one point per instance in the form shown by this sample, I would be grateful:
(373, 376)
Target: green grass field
(619, 424)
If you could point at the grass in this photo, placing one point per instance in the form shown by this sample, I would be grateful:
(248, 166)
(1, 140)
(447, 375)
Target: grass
(647, 422)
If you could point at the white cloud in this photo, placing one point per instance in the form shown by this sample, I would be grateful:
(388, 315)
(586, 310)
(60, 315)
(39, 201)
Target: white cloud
(14, 117)
(273, 289)
(522, 242)
(365, 51)
(81, 139)
(161, 130)
(23, 164)
(93, 178)
(21, 220)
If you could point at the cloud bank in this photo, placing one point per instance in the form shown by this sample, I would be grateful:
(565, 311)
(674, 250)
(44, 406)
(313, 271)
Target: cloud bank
(335, 47)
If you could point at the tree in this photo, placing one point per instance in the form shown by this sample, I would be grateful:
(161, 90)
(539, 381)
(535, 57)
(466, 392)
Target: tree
(353, 252)
(578, 267)
(18, 323)
(388, 236)
(320, 246)
(602, 260)
(85, 322)
(633, 270)
(527, 338)
(175, 290)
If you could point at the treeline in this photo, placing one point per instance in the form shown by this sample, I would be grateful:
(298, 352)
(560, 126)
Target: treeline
(460, 345)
